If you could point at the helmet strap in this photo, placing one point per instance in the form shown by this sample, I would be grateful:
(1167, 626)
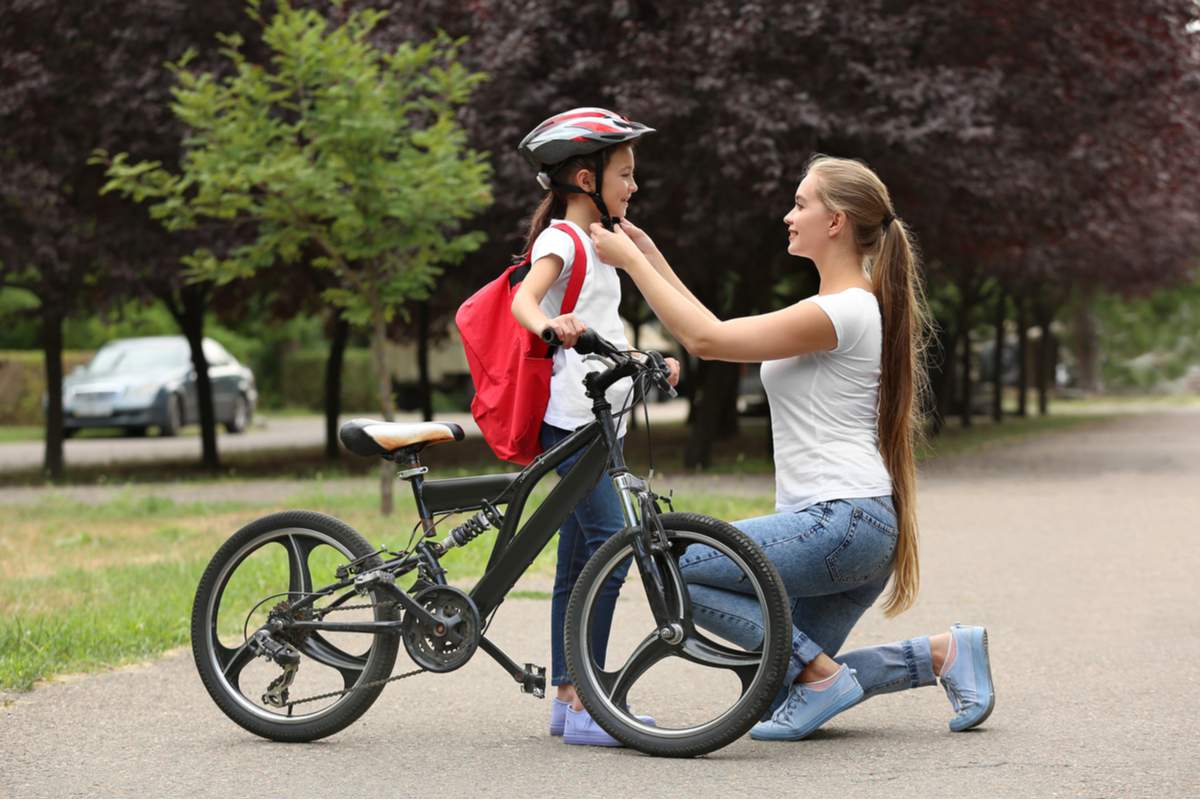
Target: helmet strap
(607, 221)
(597, 198)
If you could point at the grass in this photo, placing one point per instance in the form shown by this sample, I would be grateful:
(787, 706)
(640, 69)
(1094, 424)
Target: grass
(36, 433)
(86, 587)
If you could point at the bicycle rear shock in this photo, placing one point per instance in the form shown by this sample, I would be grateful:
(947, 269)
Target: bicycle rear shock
(489, 517)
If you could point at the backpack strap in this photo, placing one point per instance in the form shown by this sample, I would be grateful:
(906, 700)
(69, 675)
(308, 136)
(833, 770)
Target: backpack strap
(575, 282)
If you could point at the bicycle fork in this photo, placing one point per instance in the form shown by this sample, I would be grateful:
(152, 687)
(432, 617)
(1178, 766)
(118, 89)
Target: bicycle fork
(641, 513)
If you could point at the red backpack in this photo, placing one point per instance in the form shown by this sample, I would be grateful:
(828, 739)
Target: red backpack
(509, 365)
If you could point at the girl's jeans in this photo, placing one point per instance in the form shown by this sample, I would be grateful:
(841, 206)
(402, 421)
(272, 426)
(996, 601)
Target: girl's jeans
(835, 558)
(597, 517)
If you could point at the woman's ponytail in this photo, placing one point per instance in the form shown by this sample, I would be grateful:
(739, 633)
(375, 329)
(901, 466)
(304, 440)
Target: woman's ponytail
(903, 383)
(893, 262)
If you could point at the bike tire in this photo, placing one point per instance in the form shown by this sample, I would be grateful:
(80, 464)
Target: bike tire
(207, 650)
(616, 719)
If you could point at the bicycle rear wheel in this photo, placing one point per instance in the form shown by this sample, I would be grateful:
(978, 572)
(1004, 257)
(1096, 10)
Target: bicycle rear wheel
(703, 692)
(255, 573)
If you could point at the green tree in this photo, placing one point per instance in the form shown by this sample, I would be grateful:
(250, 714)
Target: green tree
(334, 144)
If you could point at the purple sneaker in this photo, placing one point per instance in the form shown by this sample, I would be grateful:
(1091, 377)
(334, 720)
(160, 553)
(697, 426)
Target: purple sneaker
(558, 716)
(580, 728)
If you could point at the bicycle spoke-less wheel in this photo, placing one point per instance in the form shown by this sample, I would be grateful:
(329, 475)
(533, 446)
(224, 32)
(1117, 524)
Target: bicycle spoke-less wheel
(701, 690)
(254, 574)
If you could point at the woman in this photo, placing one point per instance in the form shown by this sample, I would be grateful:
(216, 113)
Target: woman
(842, 373)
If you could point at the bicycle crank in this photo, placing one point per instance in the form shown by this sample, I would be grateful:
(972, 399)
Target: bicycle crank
(451, 639)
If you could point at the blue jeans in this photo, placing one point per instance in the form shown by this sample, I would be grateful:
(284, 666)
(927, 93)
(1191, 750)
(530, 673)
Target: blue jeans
(597, 517)
(835, 558)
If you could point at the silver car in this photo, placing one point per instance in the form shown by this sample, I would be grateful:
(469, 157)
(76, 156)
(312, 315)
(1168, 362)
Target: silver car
(138, 383)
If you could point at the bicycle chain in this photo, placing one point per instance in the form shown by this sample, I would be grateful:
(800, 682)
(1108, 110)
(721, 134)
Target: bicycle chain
(370, 685)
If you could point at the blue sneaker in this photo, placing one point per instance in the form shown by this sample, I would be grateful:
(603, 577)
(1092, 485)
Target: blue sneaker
(968, 682)
(805, 710)
(580, 728)
(558, 716)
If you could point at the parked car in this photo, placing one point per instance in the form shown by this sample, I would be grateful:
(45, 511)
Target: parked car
(138, 383)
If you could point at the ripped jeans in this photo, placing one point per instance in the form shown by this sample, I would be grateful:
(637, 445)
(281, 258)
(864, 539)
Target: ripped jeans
(835, 558)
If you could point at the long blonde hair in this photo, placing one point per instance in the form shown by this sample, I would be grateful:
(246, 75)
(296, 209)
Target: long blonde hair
(891, 258)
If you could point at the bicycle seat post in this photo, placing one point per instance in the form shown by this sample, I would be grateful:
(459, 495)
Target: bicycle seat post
(411, 470)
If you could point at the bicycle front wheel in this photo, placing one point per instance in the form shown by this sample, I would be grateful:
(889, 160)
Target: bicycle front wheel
(701, 690)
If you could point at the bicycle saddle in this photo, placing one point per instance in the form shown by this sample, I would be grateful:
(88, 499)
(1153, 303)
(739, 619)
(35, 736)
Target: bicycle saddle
(375, 437)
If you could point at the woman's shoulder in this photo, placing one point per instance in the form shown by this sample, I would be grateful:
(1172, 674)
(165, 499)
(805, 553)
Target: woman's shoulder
(853, 312)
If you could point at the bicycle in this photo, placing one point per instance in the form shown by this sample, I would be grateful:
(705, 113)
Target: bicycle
(442, 627)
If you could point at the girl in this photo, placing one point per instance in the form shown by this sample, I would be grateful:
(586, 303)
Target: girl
(842, 371)
(584, 158)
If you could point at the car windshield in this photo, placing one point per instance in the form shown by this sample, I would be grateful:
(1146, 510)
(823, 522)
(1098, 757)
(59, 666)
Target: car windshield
(136, 356)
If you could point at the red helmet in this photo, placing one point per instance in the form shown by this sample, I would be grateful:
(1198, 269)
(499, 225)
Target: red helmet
(577, 132)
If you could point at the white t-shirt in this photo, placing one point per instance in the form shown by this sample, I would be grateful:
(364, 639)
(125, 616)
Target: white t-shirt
(597, 307)
(824, 414)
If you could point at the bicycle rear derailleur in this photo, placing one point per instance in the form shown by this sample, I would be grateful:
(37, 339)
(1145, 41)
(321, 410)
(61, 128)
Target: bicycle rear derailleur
(286, 656)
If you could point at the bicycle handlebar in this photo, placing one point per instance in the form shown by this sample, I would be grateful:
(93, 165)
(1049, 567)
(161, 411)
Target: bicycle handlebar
(590, 342)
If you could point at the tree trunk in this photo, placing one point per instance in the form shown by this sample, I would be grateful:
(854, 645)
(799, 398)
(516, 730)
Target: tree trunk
(998, 358)
(718, 392)
(1022, 357)
(964, 329)
(1087, 349)
(188, 307)
(1045, 361)
(941, 377)
(425, 385)
(694, 379)
(52, 350)
(638, 320)
(333, 386)
(383, 378)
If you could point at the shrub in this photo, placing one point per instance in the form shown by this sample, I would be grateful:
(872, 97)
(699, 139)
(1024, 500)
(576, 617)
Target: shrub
(23, 382)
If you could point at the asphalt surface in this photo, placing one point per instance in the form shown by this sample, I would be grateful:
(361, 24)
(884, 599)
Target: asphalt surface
(1078, 551)
(266, 433)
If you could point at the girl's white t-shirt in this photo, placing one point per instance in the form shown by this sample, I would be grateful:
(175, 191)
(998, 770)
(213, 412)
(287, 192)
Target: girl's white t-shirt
(597, 306)
(824, 413)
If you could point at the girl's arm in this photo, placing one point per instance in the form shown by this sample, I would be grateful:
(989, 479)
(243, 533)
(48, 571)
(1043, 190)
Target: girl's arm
(798, 329)
(526, 305)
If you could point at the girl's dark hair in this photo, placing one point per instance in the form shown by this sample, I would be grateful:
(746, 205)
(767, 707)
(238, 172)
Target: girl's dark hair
(554, 204)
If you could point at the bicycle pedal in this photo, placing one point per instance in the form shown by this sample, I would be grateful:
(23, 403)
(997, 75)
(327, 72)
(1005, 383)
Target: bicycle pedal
(534, 682)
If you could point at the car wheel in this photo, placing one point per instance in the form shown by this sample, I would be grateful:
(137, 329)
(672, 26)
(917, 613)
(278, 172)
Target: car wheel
(241, 415)
(135, 430)
(174, 419)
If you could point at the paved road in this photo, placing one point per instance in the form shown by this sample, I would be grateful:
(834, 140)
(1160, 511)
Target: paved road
(1078, 551)
(267, 433)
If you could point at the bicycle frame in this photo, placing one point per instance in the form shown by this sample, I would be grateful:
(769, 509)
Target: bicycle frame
(514, 549)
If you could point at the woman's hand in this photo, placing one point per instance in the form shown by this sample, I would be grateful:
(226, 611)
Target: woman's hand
(567, 328)
(614, 248)
(639, 237)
